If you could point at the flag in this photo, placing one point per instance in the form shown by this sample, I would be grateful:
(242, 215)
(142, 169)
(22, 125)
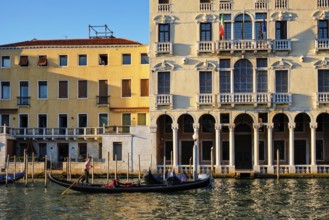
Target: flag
(221, 28)
(264, 29)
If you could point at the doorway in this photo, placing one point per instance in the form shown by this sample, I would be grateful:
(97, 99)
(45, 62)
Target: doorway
(63, 151)
(187, 152)
(243, 147)
(300, 152)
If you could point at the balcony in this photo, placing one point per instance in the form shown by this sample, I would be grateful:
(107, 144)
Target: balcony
(323, 3)
(164, 8)
(244, 98)
(322, 98)
(282, 99)
(164, 100)
(206, 47)
(261, 4)
(206, 99)
(206, 7)
(282, 45)
(281, 4)
(23, 101)
(225, 5)
(102, 100)
(244, 45)
(163, 48)
(322, 44)
(64, 133)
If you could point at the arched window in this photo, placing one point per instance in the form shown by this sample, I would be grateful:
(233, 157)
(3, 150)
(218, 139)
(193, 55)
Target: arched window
(243, 77)
(242, 27)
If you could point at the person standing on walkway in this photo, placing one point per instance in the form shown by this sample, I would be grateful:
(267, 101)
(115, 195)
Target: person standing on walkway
(86, 170)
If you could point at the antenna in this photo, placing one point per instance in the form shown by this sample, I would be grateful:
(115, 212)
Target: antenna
(100, 31)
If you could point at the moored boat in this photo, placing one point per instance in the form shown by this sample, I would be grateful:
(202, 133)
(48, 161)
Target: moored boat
(131, 188)
(11, 177)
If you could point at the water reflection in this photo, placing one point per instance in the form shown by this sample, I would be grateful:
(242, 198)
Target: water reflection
(229, 199)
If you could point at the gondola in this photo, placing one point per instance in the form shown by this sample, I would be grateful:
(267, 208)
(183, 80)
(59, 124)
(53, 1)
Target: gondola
(150, 178)
(131, 188)
(11, 177)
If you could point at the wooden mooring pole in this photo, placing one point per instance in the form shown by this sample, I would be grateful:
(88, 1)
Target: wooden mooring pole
(108, 167)
(128, 169)
(277, 163)
(26, 168)
(139, 168)
(92, 170)
(45, 169)
(164, 169)
(14, 166)
(7, 167)
(32, 167)
(116, 167)
(212, 161)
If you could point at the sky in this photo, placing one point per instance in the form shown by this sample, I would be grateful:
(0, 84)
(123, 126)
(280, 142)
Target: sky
(23, 20)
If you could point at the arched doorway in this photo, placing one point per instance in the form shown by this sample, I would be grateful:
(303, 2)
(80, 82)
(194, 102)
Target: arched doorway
(164, 138)
(185, 132)
(243, 142)
(302, 139)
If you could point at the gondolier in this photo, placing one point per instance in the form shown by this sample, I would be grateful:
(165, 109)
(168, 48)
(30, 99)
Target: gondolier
(86, 170)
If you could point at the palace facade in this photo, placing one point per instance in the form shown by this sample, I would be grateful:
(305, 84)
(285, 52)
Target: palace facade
(74, 97)
(240, 80)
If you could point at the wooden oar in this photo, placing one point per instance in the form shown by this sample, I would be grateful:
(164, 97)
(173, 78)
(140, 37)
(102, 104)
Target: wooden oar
(72, 184)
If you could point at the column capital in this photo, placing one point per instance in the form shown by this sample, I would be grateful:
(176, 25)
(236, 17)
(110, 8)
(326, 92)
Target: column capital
(218, 126)
(270, 125)
(231, 126)
(256, 126)
(291, 125)
(174, 126)
(196, 126)
(313, 125)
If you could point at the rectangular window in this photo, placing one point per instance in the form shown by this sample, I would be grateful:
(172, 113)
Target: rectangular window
(5, 61)
(225, 81)
(319, 150)
(83, 120)
(62, 123)
(24, 93)
(23, 61)
(82, 60)
(4, 120)
(279, 144)
(226, 150)
(126, 122)
(103, 60)
(42, 120)
(206, 150)
(163, 1)
(261, 75)
(260, 26)
(163, 83)
(126, 59)
(164, 32)
(63, 89)
(205, 85)
(62, 60)
(103, 119)
(82, 151)
(42, 151)
(141, 119)
(43, 89)
(227, 27)
(42, 61)
(144, 87)
(261, 148)
(5, 90)
(281, 81)
(323, 80)
(205, 32)
(281, 30)
(126, 88)
(103, 92)
(144, 58)
(117, 151)
(323, 27)
(82, 89)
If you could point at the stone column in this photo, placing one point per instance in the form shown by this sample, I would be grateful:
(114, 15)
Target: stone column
(218, 127)
(175, 145)
(313, 127)
(231, 83)
(256, 147)
(231, 136)
(195, 151)
(270, 168)
(292, 168)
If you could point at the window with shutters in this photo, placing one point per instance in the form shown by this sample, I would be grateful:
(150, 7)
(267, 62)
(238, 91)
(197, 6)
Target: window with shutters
(144, 87)
(281, 30)
(103, 92)
(82, 89)
(126, 88)
(63, 89)
(42, 60)
(23, 61)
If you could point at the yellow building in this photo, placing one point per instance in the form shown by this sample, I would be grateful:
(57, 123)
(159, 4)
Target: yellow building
(60, 97)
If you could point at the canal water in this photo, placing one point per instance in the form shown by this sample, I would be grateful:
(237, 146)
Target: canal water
(229, 199)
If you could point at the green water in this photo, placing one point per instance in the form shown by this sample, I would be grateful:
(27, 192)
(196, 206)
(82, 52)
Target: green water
(229, 199)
